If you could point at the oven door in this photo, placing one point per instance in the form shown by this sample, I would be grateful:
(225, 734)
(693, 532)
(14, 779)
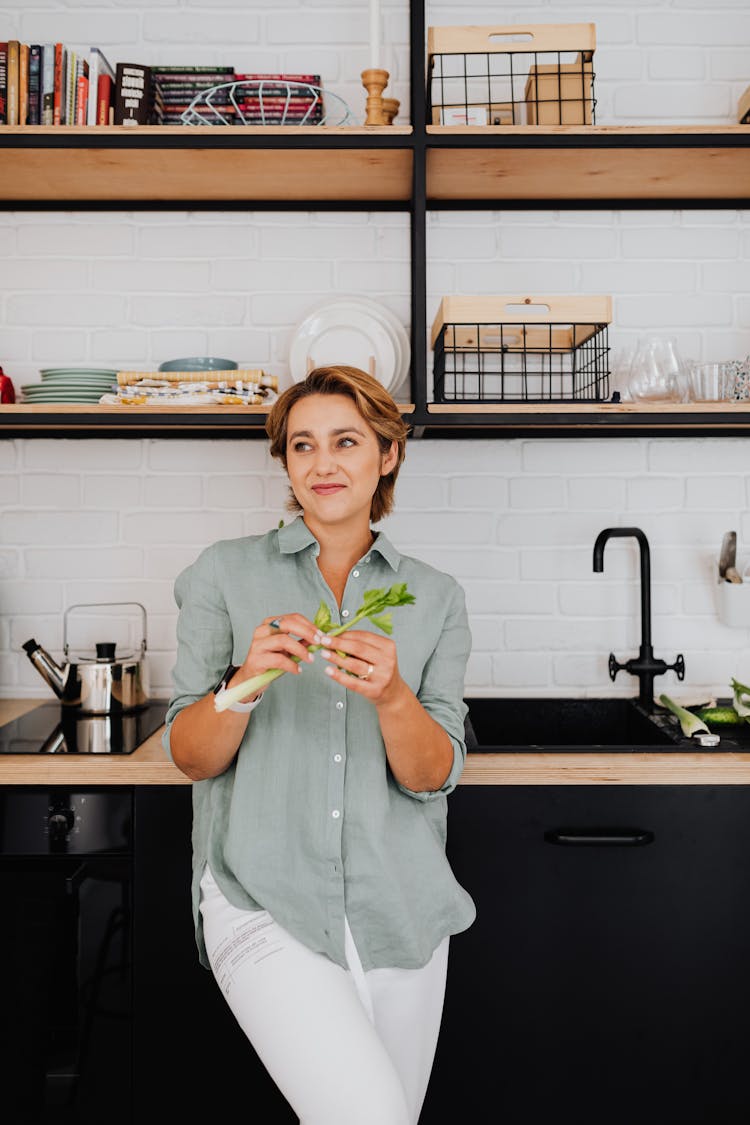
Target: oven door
(65, 963)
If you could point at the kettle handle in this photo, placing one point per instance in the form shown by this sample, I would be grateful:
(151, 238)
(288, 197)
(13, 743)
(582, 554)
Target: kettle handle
(95, 605)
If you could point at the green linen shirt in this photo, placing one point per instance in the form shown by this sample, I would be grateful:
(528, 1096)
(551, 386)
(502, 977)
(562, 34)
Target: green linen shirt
(308, 822)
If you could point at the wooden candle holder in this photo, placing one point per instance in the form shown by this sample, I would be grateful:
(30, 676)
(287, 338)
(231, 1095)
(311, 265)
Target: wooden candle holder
(390, 109)
(375, 81)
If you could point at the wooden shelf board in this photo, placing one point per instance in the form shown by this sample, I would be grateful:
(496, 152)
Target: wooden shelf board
(591, 163)
(212, 132)
(213, 169)
(619, 133)
(29, 410)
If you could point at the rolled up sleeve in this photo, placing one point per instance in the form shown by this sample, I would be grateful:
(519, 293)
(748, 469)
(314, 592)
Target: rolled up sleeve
(441, 691)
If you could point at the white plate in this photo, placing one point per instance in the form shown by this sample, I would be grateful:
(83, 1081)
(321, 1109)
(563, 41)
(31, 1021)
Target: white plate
(344, 332)
(397, 330)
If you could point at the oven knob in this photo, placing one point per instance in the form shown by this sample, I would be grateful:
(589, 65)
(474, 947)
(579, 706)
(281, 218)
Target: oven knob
(60, 823)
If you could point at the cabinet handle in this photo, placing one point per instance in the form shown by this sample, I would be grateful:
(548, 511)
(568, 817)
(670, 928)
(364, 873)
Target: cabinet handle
(600, 837)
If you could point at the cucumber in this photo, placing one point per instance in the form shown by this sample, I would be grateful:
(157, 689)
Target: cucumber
(718, 716)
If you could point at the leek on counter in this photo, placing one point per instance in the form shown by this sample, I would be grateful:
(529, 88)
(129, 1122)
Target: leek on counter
(741, 699)
(689, 722)
(375, 602)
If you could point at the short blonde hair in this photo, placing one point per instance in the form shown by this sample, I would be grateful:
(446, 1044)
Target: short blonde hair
(373, 403)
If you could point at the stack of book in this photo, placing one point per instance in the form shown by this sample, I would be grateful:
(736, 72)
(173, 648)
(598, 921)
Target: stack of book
(54, 84)
(280, 99)
(178, 86)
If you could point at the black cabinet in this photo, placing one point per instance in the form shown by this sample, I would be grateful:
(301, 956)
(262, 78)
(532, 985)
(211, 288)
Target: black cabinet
(190, 1058)
(607, 976)
(66, 878)
(605, 980)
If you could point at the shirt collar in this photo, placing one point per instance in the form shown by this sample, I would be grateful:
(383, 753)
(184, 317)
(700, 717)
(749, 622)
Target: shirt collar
(296, 536)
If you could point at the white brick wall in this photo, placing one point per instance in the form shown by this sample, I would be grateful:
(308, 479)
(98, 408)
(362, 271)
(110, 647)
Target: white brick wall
(514, 520)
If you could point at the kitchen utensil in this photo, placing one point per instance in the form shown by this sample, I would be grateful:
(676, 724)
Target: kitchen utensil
(100, 684)
(728, 558)
(727, 552)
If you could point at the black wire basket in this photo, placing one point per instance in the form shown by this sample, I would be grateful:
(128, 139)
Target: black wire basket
(521, 349)
(526, 75)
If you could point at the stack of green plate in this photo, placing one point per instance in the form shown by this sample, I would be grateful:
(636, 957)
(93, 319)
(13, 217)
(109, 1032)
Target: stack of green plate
(71, 384)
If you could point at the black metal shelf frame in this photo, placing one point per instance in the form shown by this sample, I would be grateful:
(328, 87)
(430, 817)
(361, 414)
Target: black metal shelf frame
(418, 142)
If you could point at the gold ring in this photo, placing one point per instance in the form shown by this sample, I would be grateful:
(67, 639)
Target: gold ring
(369, 672)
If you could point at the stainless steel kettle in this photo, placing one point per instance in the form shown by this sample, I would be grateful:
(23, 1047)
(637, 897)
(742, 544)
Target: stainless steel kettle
(95, 685)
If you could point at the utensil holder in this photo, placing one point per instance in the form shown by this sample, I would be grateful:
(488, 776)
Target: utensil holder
(734, 600)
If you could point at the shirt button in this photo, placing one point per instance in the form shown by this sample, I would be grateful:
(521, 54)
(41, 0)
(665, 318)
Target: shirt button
(337, 757)
(344, 612)
(335, 814)
(339, 704)
(355, 574)
(367, 559)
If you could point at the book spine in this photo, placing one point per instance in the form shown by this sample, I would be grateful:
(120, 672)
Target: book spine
(192, 70)
(35, 78)
(99, 64)
(92, 103)
(48, 83)
(104, 90)
(167, 86)
(70, 89)
(3, 83)
(13, 92)
(23, 84)
(58, 104)
(82, 98)
(313, 79)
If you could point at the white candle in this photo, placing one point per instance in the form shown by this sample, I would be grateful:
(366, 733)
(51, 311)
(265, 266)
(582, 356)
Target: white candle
(374, 33)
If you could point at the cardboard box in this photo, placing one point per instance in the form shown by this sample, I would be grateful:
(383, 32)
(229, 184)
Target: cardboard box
(560, 95)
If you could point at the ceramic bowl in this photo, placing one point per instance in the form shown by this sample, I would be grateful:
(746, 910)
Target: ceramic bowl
(199, 363)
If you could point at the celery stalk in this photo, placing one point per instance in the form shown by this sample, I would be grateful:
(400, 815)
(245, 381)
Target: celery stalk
(689, 722)
(375, 602)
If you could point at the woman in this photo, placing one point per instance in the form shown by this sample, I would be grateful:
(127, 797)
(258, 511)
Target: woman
(322, 896)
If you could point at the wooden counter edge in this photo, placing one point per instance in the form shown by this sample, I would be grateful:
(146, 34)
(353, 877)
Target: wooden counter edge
(149, 765)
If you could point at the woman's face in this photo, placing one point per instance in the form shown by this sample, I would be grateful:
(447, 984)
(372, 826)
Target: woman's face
(334, 461)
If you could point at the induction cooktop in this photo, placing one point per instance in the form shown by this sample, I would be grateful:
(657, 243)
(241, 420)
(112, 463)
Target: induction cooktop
(51, 728)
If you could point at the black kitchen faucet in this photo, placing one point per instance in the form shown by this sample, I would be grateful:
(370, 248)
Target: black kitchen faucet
(645, 666)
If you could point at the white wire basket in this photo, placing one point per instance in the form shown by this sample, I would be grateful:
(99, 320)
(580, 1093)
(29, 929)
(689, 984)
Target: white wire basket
(266, 102)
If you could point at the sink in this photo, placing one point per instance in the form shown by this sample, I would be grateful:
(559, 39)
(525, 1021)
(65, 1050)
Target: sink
(497, 725)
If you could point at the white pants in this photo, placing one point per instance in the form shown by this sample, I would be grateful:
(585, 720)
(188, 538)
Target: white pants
(344, 1047)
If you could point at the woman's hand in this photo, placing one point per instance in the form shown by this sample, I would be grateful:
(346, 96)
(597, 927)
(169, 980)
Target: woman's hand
(275, 642)
(369, 665)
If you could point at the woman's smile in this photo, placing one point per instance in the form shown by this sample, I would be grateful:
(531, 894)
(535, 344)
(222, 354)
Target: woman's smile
(327, 489)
